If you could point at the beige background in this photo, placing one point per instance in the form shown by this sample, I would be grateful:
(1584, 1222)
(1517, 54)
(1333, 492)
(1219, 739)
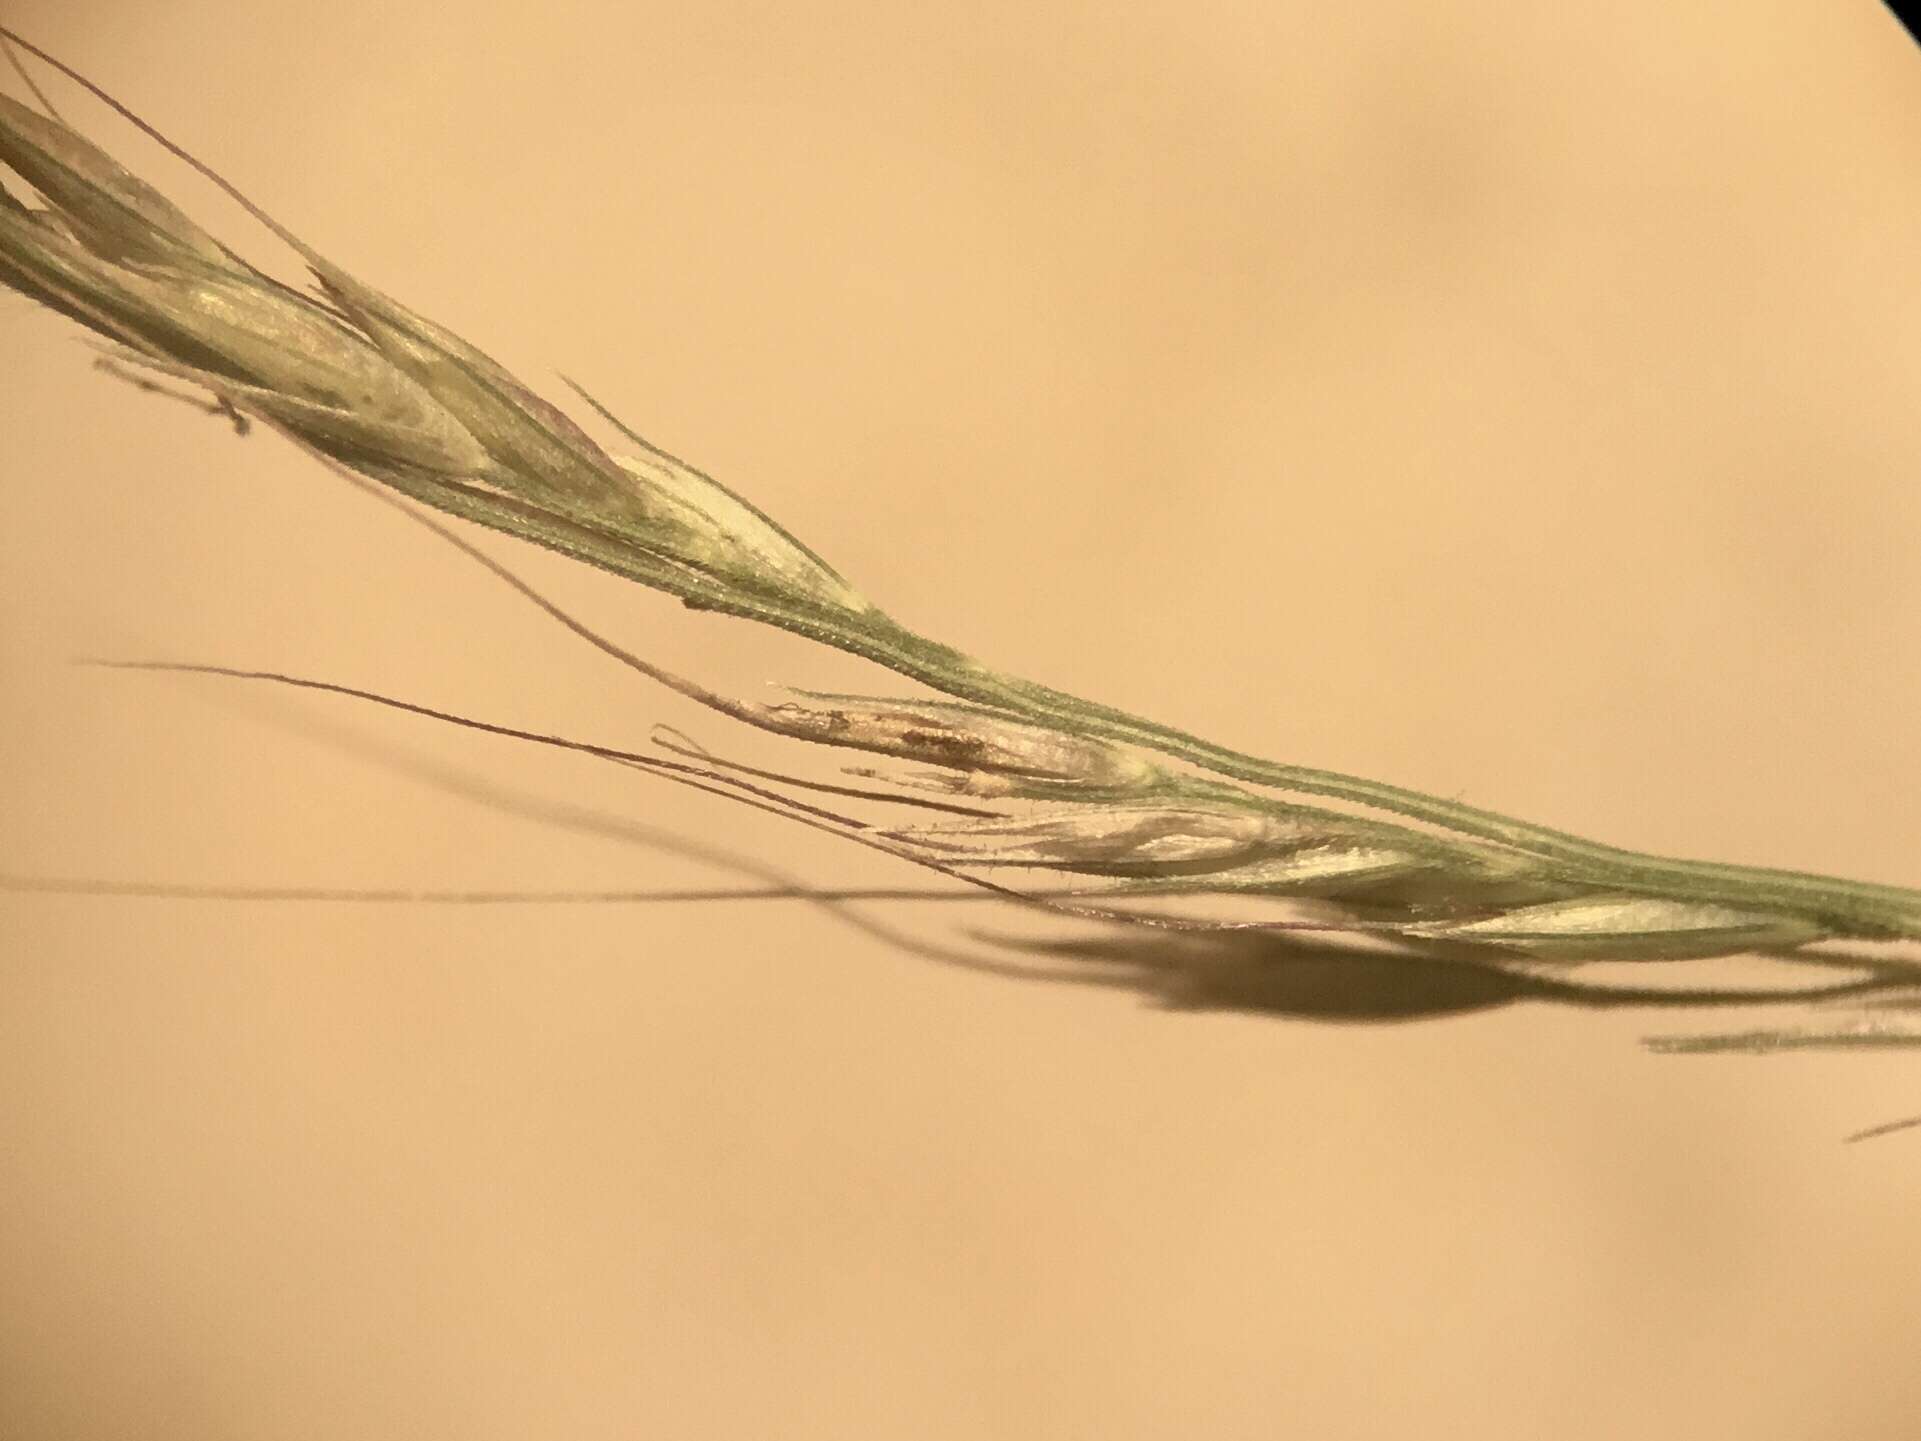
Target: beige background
(1514, 401)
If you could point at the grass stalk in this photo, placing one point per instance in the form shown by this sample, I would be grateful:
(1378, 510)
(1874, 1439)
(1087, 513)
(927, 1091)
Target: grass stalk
(1076, 789)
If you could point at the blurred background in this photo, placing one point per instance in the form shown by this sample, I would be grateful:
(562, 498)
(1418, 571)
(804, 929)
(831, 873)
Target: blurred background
(1514, 402)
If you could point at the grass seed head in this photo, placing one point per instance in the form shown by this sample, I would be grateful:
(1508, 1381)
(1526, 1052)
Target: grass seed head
(726, 536)
(1158, 839)
(117, 215)
(366, 381)
(1624, 928)
(966, 742)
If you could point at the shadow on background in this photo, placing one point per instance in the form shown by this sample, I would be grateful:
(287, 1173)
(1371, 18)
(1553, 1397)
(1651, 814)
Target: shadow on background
(1282, 974)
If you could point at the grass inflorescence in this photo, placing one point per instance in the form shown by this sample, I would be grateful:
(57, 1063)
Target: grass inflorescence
(1025, 791)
